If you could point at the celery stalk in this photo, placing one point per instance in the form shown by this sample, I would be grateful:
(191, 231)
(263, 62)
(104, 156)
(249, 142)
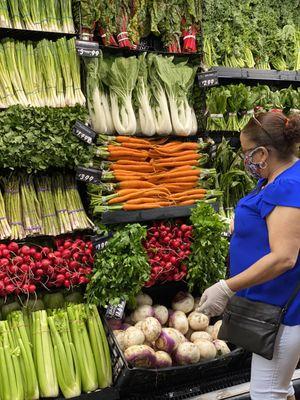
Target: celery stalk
(65, 361)
(20, 337)
(77, 317)
(43, 355)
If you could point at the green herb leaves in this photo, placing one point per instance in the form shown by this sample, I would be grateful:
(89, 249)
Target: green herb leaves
(35, 139)
(121, 268)
(207, 263)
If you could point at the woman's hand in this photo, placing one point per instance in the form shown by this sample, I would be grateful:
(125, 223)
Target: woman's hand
(214, 299)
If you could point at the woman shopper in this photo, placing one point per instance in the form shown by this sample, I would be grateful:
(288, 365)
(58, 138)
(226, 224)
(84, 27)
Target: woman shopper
(264, 250)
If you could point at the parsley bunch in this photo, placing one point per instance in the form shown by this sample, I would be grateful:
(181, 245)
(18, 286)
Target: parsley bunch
(121, 268)
(36, 139)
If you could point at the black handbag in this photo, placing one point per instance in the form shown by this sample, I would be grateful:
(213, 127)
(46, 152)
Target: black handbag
(253, 325)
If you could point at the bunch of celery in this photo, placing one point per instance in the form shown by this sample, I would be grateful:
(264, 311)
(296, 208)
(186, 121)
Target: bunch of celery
(42, 74)
(45, 15)
(11, 385)
(12, 201)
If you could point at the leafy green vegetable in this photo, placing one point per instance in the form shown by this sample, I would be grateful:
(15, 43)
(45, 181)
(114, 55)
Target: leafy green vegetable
(207, 262)
(36, 139)
(121, 268)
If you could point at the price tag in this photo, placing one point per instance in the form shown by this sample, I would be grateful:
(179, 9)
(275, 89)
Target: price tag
(99, 242)
(87, 49)
(208, 79)
(115, 312)
(83, 132)
(88, 175)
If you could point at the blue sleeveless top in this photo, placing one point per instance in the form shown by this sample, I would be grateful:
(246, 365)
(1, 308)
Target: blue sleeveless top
(250, 240)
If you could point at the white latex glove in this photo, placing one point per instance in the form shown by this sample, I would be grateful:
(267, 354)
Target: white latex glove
(214, 299)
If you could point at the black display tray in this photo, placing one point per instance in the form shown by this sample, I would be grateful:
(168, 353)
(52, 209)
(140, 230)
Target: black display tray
(141, 381)
(220, 75)
(24, 34)
(122, 217)
(110, 393)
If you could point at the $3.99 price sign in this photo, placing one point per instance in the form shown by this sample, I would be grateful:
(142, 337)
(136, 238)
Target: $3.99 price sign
(87, 49)
(88, 175)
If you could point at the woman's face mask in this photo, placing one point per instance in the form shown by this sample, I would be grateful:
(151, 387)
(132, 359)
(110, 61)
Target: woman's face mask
(253, 168)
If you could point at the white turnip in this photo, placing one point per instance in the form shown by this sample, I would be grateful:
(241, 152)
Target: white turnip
(198, 321)
(143, 299)
(163, 360)
(207, 349)
(179, 321)
(221, 347)
(201, 335)
(133, 336)
(168, 340)
(183, 302)
(120, 337)
(187, 353)
(161, 314)
(151, 328)
(140, 356)
(142, 312)
(216, 329)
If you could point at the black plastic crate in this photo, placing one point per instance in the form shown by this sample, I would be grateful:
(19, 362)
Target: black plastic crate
(142, 380)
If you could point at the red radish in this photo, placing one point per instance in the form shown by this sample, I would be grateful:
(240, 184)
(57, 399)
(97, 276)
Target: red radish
(13, 246)
(24, 268)
(45, 250)
(31, 288)
(10, 288)
(67, 283)
(45, 264)
(4, 262)
(25, 250)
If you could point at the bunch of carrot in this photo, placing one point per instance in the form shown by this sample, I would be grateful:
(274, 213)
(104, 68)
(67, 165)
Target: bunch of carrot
(143, 174)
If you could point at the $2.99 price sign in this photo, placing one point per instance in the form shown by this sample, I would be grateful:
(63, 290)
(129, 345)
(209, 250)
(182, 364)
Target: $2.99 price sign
(88, 175)
(208, 79)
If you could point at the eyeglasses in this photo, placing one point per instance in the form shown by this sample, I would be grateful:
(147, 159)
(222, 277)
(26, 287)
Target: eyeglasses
(260, 125)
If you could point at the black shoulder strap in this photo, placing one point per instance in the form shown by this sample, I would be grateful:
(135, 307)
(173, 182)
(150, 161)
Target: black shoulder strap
(292, 298)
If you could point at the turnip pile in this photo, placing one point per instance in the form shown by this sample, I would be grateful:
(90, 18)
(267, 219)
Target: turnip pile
(154, 337)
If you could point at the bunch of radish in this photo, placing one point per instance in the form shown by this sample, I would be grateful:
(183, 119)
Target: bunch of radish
(168, 247)
(25, 268)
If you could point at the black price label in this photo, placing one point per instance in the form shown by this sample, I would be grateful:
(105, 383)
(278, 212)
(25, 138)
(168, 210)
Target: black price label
(115, 312)
(88, 175)
(99, 242)
(87, 49)
(84, 132)
(208, 79)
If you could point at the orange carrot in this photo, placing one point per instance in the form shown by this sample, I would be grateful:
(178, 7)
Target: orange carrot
(174, 188)
(187, 203)
(144, 206)
(158, 154)
(189, 197)
(138, 168)
(131, 139)
(193, 156)
(177, 146)
(145, 200)
(135, 184)
(136, 194)
(190, 192)
(186, 179)
(175, 164)
(131, 162)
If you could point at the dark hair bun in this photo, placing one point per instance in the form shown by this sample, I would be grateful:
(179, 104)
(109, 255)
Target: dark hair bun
(292, 129)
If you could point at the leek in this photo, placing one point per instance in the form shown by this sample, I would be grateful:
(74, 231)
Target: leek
(43, 355)
(66, 71)
(65, 356)
(20, 337)
(77, 317)
(74, 63)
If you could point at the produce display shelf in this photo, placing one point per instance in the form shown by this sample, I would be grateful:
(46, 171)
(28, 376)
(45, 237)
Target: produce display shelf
(118, 217)
(217, 75)
(110, 393)
(24, 34)
(131, 52)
